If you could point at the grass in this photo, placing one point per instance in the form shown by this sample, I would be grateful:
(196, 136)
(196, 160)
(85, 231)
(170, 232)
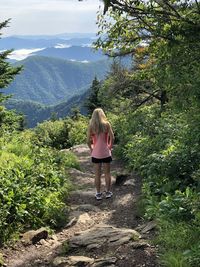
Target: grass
(179, 244)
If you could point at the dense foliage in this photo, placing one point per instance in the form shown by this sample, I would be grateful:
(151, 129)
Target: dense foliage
(63, 133)
(156, 107)
(35, 113)
(93, 100)
(33, 185)
(34, 182)
(165, 152)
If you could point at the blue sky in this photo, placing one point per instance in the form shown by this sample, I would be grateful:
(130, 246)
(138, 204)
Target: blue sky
(33, 17)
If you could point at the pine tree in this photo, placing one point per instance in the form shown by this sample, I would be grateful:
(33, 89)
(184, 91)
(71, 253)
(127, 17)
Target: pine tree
(8, 119)
(93, 100)
(7, 71)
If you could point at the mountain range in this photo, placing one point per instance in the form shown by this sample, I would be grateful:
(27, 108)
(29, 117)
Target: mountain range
(35, 112)
(22, 42)
(49, 81)
(57, 73)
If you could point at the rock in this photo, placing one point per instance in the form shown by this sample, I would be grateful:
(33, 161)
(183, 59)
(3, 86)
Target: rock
(139, 244)
(80, 217)
(129, 182)
(120, 179)
(54, 237)
(33, 237)
(103, 234)
(72, 222)
(93, 246)
(79, 260)
(84, 219)
(86, 208)
(147, 227)
(60, 262)
(104, 262)
(43, 242)
(79, 149)
(72, 261)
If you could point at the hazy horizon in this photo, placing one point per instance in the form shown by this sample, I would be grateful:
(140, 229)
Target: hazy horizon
(49, 17)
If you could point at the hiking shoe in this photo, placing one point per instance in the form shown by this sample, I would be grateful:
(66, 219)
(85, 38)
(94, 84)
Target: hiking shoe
(99, 196)
(109, 194)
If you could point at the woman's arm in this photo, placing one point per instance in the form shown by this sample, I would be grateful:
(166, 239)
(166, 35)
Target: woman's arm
(89, 143)
(111, 136)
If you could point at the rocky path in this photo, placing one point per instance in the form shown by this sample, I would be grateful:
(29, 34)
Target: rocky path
(99, 233)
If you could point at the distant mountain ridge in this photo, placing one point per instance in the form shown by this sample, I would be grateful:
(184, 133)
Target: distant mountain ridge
(76, 53)
(50, 81)
(15, 42)
(36, 113)
(54, 78)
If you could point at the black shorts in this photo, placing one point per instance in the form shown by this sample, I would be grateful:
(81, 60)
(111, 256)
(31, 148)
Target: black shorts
(104, 160)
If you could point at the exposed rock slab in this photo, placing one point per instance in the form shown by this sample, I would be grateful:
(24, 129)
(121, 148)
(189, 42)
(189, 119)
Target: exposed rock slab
(33, 237)
(103, 234)
(72, 261)
(145, 228)
(104, 262)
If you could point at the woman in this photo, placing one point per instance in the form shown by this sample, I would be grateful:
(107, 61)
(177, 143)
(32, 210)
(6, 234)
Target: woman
(100, 139)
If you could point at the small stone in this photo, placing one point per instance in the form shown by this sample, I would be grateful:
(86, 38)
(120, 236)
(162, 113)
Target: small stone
(72, 222)
(129, 182)
(136, 245)
(84, 219)
(104, 262)
(59, 261)
(147, 227)
(54, 237)
(32, 237)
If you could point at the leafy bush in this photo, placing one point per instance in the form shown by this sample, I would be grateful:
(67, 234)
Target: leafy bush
(54, 133)
(33, 185)
(165, 150)
(77, 133)
(62, 133)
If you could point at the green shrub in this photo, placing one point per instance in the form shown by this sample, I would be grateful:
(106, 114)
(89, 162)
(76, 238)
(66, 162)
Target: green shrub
(62, 133)
(33, 185)
(179, 244)
(78, 131)
(165, 150)
(54, 133)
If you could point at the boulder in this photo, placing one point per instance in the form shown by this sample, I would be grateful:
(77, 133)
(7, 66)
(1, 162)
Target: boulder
(34, 236)
(102, 235)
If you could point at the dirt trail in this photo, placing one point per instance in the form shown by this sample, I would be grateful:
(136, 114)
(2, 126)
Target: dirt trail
(89, 220)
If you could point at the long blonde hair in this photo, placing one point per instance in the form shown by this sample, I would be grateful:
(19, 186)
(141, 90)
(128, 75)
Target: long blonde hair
(98, 122)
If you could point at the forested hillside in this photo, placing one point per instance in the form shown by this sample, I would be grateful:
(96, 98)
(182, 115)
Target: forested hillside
(50, 80)
(77, 53)
(35, 113)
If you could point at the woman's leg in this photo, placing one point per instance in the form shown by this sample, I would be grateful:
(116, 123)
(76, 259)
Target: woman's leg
(97, 170)
(107, 176)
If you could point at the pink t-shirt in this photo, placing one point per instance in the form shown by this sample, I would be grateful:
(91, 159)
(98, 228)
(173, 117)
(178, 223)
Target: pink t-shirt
(100, 147)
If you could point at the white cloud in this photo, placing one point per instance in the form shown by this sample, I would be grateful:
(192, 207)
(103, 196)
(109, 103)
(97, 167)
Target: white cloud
(23, 53)
(60, 46)
(49, 16)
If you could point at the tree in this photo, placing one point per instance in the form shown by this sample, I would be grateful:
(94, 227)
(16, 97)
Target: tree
(170, 30)
(93, 100)
(7, 74)
(7, 71)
